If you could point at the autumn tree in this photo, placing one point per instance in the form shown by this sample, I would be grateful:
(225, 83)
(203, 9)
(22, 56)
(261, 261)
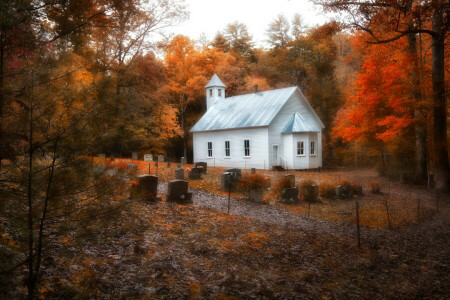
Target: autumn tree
(387, 21)
(278, 32)
(239, 39)
(185, 79)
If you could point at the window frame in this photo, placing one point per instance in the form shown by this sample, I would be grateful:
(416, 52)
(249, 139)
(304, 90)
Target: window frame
(229, 149)
(220, 92)
(210, 92)
(312, 148)
(209, 150)
(247, 148)
(302, 148)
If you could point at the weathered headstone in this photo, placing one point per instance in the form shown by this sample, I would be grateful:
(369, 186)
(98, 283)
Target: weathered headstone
(179, 174)
(131, 166)
(183, 160)
(313, 193)
(148, 157)
(236, 173)
(339, 191)
(343, 191)
(160, 158)
(177, 191)
(101, 155)
(290, 195)
(168, 164)
(179, 166)
(111, 158)
(256, 196)
(202, 166)
(195, 173)
(225, 179)
(134, 156)
(291, 179)
(252, 170)
(148, 186)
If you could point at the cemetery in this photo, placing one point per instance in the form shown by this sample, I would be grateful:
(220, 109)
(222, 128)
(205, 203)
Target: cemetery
(324, 195)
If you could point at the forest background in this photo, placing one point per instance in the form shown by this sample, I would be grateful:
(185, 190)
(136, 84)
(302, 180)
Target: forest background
(91, 64)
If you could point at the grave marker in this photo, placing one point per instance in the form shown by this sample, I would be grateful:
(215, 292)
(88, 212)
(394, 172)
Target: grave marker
(177, 191)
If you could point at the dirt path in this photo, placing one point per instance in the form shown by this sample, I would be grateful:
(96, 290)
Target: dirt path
(429, 233)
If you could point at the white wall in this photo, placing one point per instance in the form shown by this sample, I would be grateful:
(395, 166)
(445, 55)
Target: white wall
(258, 148)
(278, 124)
(294, 104)
(300, 161)
(288, 150)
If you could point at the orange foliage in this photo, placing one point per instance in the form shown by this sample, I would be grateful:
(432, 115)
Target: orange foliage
(379, 104)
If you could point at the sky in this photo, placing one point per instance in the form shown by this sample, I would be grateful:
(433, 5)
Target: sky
(210, 16)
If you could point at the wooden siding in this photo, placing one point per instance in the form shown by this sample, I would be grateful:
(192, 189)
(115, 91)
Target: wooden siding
(258, 148)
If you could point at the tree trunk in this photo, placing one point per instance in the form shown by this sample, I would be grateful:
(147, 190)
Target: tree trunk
(442, 167)
(1, 86)
(419, 125)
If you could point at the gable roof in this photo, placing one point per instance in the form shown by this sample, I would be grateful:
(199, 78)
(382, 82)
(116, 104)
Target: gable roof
(215, 81)
(251, 110)
(299, 124)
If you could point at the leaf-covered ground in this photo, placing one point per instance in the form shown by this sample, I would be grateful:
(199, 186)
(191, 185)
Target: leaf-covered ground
(195, 251)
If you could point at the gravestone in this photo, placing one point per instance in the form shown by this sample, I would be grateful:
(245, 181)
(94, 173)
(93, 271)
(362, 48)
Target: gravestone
(195, 173)
(148, 186)
(183, 160)
(252, 170)
(111, 158)
(179, 174)
(160, 158)
(202, 166)
(236, 173)
(168, 164)
(290, 195)
(179, 166)
(101, 155)
(177, 191)
(225, 179)
(131, 166)
(343, 191)
(291, 179)
(134, 156)
(313, 193)
(256, 196)
(148, 157)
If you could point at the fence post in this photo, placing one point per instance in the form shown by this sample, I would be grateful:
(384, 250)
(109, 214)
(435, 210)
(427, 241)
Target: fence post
(418, 210)
(358, 236)
(229, 192)
(437, 200)
(387, 213)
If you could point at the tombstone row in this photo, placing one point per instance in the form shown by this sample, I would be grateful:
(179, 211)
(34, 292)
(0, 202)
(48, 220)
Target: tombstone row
(177, 190)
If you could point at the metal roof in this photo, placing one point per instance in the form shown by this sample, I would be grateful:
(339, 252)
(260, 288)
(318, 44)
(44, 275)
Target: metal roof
(251, 110)
(299, 124)
(215, 81)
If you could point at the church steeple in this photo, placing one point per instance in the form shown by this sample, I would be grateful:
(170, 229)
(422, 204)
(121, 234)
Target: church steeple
(215, 91)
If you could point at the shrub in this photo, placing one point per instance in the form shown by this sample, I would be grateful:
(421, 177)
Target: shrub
(327, 190)
(356, 188)
(306, 191)
(278, 187)
(350, 189)
(253, 182)
(375, 187)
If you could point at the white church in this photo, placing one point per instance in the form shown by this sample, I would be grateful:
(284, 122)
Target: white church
(261, 130)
